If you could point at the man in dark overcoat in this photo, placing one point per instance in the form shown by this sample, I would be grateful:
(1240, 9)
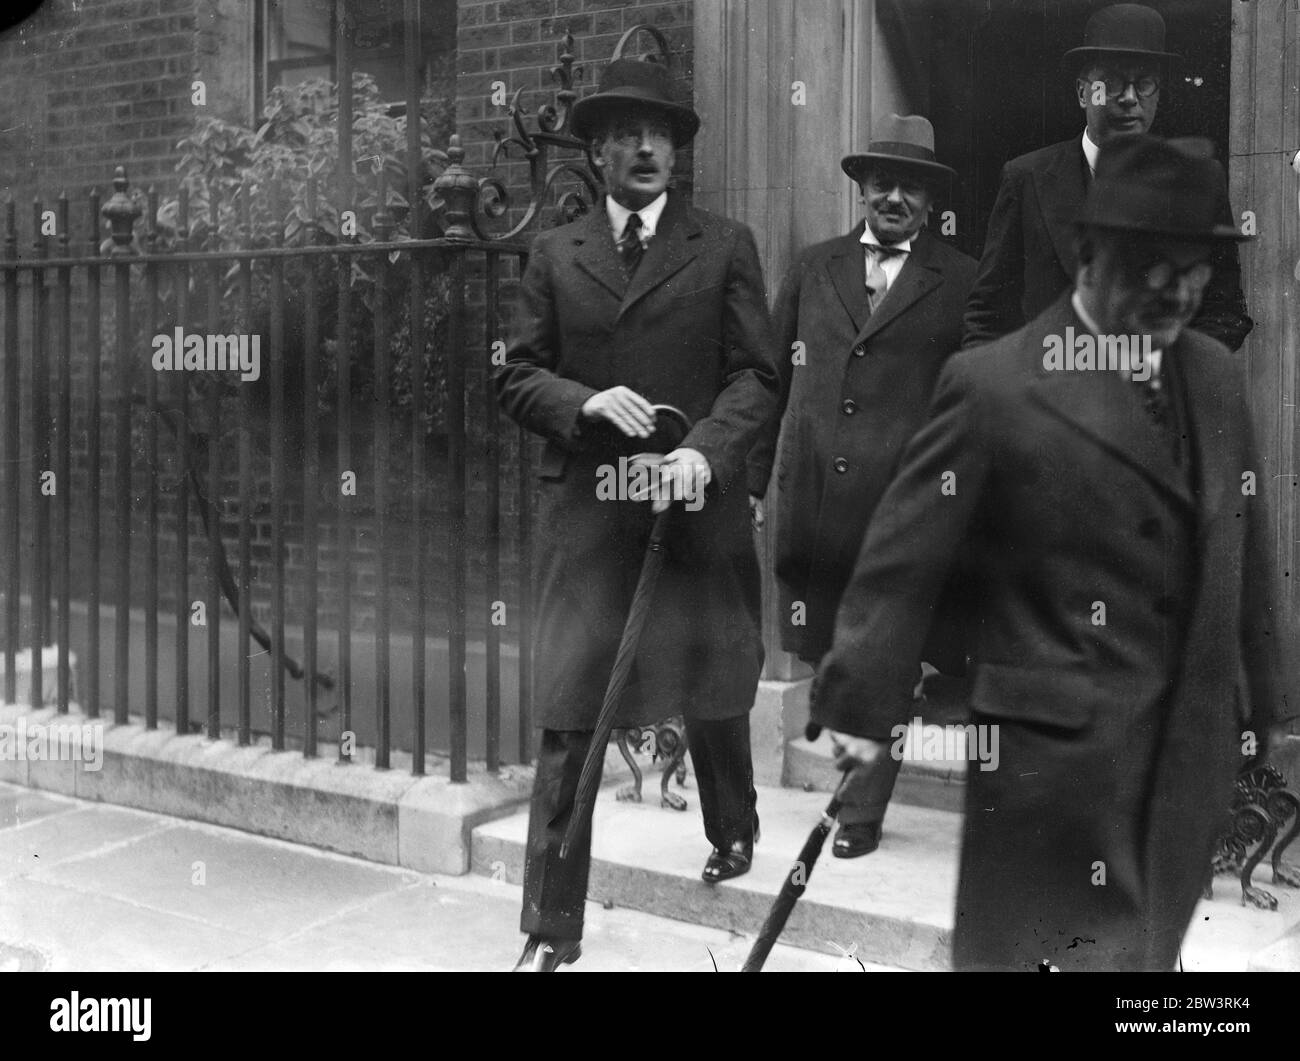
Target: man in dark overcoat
(865, 323)
(1128, 644)
(644, 301)
(1028, 258)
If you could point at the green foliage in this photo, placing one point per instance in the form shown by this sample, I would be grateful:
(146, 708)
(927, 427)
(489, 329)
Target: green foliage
(250, 188)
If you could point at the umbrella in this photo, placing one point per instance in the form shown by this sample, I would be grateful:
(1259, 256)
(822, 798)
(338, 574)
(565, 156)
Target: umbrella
(585, 797)
(796, 881)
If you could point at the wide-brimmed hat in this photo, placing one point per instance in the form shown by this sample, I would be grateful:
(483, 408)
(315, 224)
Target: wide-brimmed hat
(1122, 31)
(1148, 185)
(634, 82)
(904, 142)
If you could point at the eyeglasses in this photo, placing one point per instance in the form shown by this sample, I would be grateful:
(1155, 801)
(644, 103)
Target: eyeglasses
(1117, 85)
(1160, 275)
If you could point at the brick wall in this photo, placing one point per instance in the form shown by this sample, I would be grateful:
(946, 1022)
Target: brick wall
(88, 86)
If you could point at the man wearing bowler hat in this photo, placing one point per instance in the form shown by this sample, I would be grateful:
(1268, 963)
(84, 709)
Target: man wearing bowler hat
(865, 323)
(1100, 466)
(644, 301)
(1028, 260)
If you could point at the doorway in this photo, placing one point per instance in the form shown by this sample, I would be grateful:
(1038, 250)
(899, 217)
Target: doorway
(988, 75)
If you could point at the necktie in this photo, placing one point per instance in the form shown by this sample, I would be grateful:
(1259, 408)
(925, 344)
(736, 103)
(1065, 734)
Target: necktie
(630, 245)
(877, 282)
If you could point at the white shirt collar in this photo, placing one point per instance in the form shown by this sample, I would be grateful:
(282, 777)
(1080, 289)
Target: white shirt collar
(868, 236)
(1091, 325)
(650, 214)
(1090, 151)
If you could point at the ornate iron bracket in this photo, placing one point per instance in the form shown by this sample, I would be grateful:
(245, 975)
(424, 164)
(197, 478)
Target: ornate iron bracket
(474, 202)
(1262, 808)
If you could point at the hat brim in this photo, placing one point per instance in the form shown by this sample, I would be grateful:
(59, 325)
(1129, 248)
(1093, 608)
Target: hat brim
(589, 112)
(1217, 234)
(854, 165)
(1076, 56)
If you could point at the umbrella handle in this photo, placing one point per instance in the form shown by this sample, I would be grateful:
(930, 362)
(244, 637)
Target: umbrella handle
(673, 413)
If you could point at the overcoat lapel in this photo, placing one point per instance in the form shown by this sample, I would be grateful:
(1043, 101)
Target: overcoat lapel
(597, 255)
(1101, 404)
(1061, 191)
(847, 269)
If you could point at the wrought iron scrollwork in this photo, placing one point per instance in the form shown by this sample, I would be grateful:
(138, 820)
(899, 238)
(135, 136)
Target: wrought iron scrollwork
(665, 741)
(1263, 809)
(472, 203)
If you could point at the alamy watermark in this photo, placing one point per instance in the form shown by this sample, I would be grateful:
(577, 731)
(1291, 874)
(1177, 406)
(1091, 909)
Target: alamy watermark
(53, 742)
(922, 743)
(647, 479)
(208, 353)
(1085, 352)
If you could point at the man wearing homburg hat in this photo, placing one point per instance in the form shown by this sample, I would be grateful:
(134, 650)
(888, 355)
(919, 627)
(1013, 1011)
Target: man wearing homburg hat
(1100, 465)
(644, 301)
(865, 322)
(1028, 260)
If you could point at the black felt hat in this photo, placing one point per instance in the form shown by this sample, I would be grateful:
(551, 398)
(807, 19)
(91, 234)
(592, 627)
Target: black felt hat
(1123, 31)
(1158, 187)
(634, 82)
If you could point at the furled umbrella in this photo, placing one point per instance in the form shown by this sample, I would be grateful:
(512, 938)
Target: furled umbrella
(585, 797)
(796, 880)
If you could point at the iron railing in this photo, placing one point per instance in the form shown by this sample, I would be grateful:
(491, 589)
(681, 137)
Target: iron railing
(101, 419)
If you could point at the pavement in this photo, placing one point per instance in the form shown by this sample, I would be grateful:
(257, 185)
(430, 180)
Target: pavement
(91, 886)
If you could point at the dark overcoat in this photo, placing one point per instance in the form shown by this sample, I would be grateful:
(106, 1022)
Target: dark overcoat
(1128, 634)
(1029, 258)
(691, 330)
(859, 392)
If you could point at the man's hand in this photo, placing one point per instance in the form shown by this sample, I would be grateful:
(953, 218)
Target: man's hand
(854, 751)
(682, 476)
(623, 408)
(756, 512)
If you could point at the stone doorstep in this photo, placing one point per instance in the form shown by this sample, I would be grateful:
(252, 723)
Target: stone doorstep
(810, 765)
(386, 816)
(893, 907)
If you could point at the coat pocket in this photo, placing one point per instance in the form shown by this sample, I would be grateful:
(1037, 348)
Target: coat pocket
(1047, 696)
(554, 462)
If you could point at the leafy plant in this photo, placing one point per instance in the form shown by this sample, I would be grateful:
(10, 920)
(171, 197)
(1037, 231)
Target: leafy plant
(249, 188)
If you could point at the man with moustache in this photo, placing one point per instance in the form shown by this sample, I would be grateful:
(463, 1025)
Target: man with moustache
(646, 300)
(865, 323)
(1028, 257)
(1129, 645)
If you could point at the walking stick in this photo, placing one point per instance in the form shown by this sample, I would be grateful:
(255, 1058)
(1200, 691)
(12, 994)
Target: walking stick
(585, 797)
(796, 881)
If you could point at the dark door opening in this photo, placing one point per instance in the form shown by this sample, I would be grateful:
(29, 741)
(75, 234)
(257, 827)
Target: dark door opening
(988, 74)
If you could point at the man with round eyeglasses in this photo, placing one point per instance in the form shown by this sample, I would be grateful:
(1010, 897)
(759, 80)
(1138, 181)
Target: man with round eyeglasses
(1029, 256)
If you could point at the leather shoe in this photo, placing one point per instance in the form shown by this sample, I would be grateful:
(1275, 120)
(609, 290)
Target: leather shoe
(854, 839)
(543, 955)
(734, 861)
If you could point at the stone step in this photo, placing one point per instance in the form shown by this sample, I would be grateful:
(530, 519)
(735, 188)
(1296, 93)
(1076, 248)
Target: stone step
(810, 766)
(893, 907)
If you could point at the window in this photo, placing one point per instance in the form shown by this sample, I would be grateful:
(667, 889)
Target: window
(296, 39)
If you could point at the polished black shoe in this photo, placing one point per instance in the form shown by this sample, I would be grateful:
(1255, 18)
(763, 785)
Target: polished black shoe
(544, 955)
(855, 839)
(734, 861)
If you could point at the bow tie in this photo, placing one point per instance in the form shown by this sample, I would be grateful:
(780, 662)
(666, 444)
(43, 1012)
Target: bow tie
(883, 252)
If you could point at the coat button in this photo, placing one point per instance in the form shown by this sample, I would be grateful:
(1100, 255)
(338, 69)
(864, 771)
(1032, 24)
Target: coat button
(1149, 528)
(859, 351)
(840, 465)
(1164, 605)
(850, 407)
